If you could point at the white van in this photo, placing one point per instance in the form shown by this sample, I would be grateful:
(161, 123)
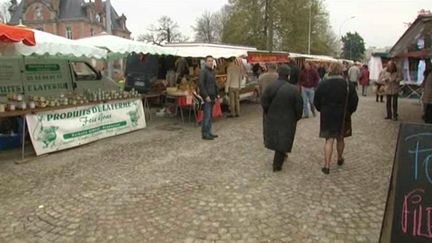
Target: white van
(49, 76)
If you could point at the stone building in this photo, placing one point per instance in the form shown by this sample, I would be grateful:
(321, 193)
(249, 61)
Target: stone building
(73, 19)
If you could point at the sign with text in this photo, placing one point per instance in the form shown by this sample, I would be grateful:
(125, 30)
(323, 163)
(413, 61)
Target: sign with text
(408, 215)
(267, 57)
(66, 128)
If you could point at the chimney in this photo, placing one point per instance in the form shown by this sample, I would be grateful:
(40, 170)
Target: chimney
(99, 6)
(56, 5)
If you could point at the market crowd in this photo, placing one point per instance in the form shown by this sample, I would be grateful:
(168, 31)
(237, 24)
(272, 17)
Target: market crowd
(290, 92)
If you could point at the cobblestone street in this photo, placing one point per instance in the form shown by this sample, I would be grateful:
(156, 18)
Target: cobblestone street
(165, 184)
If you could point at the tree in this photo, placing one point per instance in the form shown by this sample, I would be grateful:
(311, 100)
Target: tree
(353, 46)
(280, 24)
(207, 28)
(167, 31)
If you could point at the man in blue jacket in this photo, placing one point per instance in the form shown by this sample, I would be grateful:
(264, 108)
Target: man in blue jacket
(209, 92)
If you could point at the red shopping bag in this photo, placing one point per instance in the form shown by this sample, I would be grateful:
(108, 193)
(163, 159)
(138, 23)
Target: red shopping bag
(217, 110)
(199, 116)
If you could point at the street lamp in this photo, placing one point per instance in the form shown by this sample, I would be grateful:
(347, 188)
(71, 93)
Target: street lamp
(344, 22)
(340, 30)
(310, 28)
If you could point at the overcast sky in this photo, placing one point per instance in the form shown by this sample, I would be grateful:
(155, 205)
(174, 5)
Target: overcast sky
(380, 22)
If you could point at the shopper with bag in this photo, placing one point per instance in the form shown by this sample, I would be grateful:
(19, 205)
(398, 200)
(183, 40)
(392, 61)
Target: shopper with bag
(282, 106)
(209, 92)
(336, 98)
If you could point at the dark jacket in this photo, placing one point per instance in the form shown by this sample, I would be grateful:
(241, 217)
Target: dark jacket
(283, 107)
(330, 100)
(309, 78)
(207, 84)
(295, 74)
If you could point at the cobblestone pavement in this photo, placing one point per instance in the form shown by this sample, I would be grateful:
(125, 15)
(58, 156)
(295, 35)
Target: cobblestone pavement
(165, 184)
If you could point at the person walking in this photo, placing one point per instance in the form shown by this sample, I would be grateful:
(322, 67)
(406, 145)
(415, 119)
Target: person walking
(309, 79)
(364, 79)
(294, 74)
(282, 108)
(354, 74)
(232, 87)
(337, 100)
(208, 90)
(267, 78)
(380, 86)
(322, 70)
(391, 86)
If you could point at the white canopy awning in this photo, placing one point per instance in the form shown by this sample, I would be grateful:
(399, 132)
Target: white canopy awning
(308, 57)
(205, 49)
(52, 45)
(119, 47)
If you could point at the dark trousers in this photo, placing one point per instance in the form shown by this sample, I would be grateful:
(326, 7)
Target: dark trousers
(279, 159)
(392, 106)
(428, 113)
(207, 119)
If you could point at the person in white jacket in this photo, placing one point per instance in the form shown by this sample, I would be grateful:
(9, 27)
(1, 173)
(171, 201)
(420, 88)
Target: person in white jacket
(232, 87)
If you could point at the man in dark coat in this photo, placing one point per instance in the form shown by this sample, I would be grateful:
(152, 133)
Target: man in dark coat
(294, 72)
(209, 92)
(283, 107)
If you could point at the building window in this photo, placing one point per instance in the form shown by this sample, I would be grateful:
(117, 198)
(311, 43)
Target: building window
(98, 18)
(38, 12)
(69, 32)
(92, 32)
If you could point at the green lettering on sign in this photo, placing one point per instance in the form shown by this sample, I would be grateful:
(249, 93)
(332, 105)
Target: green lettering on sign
(94, 130)
(42, 67)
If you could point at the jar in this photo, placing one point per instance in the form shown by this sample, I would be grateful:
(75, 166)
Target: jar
(11, 107)
(22, 106)
(31, 105)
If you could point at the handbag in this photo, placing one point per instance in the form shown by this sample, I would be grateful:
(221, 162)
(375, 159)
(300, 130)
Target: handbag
(346, 122)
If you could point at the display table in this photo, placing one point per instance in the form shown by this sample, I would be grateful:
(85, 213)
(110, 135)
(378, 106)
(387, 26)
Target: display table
(146, 98)
(179, 102)
(56, 128)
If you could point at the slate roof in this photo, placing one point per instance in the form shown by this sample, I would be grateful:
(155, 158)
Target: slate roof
(69, 9)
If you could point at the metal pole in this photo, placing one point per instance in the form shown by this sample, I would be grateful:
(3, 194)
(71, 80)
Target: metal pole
(23, 138)
(310, 28)
(109, 31)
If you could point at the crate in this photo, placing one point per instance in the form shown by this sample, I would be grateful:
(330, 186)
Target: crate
(10, 141)
(13, 140)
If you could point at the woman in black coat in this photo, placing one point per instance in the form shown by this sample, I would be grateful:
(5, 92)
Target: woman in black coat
(283, 107)
(336, 108)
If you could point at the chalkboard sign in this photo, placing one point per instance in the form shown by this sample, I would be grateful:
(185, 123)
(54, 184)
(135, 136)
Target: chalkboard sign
(408, 215)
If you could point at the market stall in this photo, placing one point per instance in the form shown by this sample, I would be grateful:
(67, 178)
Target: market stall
(59, 120)
(183, 77)
(411, 53)
(119, 47)
(13, 34)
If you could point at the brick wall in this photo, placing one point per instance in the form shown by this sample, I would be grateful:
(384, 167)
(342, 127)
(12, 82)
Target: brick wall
(80, 28)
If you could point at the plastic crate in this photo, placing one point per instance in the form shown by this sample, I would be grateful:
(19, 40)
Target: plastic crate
(12, 141)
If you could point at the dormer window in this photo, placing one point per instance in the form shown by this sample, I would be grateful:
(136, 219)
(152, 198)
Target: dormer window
(38, 12)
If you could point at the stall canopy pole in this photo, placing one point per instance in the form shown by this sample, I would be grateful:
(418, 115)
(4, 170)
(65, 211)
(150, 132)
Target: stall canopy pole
(109, 31)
